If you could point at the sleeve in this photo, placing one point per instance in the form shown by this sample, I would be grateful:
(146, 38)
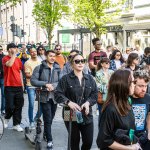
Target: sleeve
(91, 58)
(35, 78)
(27, 68)
(4, 60)
(98, 81)
(94, 93)
(106, 128)
(60, 91)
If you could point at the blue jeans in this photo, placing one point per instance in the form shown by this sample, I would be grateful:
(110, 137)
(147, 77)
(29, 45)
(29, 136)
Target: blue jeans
(2, 95)
(31, 98)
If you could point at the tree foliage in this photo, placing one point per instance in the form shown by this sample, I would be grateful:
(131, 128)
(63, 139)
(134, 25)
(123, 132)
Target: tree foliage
(48, 14)
(92, 14)
(10, 1)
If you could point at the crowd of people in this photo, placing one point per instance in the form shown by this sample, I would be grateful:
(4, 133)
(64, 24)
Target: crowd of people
(117, 82)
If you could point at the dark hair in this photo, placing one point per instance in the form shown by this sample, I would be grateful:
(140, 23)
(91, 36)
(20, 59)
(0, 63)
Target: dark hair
(72, 58)
(57, 46)
(49, 51)
(131, 57)
(118, 91)
(102, 60)
(39, 47)
(11, 45)
(147, 50)
(114, 53)
(142, 74)
(75, 50)
(95, 40)
(108, 46)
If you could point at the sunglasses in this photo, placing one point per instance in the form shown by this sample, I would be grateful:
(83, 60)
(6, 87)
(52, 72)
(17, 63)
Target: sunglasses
(57, 49)
(78, 61)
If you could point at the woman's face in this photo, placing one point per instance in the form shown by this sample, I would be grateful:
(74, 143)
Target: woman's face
(105, 65)
(78, 63)
(118, 56)
(136, 61)
(132, 85)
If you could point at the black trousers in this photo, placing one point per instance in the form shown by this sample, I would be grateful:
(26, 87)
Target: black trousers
(14, 103)
(86, 133)
(49, 110)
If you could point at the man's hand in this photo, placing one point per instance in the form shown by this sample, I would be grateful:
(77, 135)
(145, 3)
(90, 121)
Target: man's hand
(49, 87)
(74, 106)
(86, 107)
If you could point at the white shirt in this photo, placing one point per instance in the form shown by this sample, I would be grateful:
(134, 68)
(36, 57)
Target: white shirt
(118, 64)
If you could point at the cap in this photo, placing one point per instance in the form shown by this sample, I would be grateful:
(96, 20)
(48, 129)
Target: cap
(11, 45)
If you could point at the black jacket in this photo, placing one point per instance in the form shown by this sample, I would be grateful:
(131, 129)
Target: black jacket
(69, 88)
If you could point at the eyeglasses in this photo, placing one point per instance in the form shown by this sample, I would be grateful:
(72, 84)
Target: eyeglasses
(78, 61)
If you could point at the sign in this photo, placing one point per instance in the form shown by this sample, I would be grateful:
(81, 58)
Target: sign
(1, 31)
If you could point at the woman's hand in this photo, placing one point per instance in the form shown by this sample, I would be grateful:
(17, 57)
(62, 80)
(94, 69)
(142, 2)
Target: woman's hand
(86, 107)
(135, 147)
(74, 106)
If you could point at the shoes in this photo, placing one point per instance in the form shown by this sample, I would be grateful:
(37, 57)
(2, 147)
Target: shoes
(3, 113)
(6, 123)
(50, 145)
(18, 128)
(32, 126)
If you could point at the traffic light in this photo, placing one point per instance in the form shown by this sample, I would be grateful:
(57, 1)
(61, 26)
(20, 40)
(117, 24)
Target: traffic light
(13, 27)
(22, 33)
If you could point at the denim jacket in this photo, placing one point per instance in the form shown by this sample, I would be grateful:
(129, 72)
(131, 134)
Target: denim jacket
(69, 88)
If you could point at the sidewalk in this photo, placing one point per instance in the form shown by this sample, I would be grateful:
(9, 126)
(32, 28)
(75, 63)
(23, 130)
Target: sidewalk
(13, 140)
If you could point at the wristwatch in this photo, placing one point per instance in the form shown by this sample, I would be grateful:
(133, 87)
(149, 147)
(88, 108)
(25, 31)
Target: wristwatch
(67, 102)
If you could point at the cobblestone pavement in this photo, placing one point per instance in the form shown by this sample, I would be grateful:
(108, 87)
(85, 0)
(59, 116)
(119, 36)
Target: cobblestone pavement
(13, 140)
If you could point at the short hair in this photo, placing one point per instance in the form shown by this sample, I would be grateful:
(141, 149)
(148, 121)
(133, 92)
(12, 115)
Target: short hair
(142, 74)
(147, 50)
(108, 46)
(75, 50)
(49, 51)
(57, 46)
(95, 40)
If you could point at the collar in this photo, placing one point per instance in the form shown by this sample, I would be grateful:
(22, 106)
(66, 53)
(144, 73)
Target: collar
(72, 75)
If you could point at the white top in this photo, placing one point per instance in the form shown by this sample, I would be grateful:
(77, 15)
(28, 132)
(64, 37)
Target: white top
(118, 64)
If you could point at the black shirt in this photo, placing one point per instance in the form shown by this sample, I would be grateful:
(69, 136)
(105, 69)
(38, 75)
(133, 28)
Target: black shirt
(141, 107)
(110, 121)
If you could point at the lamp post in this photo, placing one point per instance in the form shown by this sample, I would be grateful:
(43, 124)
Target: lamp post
(12, 18)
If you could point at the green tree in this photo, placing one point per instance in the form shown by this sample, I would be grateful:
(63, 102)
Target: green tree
(92, 14)
(10, 1)
(48, 14)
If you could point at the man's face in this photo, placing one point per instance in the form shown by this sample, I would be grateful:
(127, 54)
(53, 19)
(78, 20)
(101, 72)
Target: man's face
(12, 50)
(98, 45)
(33, 53)
(140, 88)
(51, 57)
(58, 50)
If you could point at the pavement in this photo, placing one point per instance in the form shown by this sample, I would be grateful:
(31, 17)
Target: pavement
(13, 140)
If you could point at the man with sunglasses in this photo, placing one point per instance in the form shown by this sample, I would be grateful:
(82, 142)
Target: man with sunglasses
(60, 58)
(141, 108)
(68, 68)
(95, 56)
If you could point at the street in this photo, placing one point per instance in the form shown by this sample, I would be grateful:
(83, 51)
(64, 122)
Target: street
(13, 140)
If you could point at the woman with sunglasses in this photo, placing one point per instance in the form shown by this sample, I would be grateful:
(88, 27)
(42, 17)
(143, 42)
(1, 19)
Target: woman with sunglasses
(117, 115)
(41, 53)
(79, 92)
(116, 60)
(103, 75)
(132, 62)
